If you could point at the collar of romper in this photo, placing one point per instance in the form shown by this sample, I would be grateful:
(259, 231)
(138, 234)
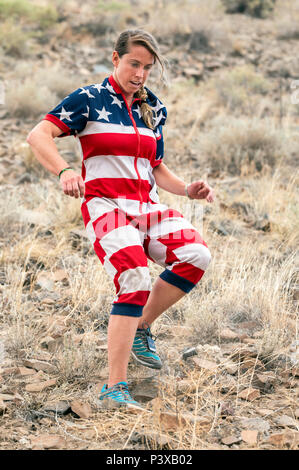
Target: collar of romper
(117, 88)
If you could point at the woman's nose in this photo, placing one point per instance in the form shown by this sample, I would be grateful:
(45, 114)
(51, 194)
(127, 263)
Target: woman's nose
(140, 72)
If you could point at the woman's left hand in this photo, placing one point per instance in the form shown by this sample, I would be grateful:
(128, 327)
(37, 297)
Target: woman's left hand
(201, 190)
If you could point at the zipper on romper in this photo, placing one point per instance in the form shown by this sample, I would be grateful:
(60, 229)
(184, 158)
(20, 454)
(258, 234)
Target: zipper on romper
(138, 149)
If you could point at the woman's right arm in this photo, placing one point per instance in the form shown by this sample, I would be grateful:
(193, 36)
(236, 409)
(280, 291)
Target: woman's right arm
(41, 140)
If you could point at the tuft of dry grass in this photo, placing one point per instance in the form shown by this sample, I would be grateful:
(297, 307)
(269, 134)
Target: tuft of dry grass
(13, 39)
(28, 11)
(242, 145)
(47, 86)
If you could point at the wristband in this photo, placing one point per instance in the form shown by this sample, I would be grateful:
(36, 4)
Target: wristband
(63, 171)
(186, 191)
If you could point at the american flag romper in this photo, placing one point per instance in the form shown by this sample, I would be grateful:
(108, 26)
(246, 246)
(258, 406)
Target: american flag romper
(124, 219)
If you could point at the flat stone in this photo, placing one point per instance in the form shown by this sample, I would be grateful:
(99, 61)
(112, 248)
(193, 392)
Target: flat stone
(264, 381)
(251, 363)
(285, 420)
(48, 441)
(172, 421)
(231, 367)
(185, 386)
(227, 334)
(40, 365)
(242, 351)
(189, 352)
(40, 386)
(48, 301)
(60, 275)
(249, 394)
(204, 364)
(227, 383)
(226, 409)
(249, 341)
(83, 410)
(45, 281)
(3, 407)
(6, 397)
(285, 438)
(230, 440)
(25, 371)
(255, 424)
(154, 439)
(249, 436)
(9, 371)
(61, 408)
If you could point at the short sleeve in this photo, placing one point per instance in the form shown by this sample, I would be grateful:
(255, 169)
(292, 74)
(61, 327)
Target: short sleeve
(71, 114)
(160, 146)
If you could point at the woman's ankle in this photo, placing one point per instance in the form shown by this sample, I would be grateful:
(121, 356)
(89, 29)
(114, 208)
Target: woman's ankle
(114, 382)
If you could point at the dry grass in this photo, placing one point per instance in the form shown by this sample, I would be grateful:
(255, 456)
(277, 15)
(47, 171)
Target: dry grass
(13, 40)
(286, 19)
(47, 86)
(242, 145)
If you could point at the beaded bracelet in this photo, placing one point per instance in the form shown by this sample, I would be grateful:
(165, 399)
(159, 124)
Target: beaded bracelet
(186, 191)
(63, 171)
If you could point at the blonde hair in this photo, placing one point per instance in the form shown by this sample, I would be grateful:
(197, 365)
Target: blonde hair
(145, 39)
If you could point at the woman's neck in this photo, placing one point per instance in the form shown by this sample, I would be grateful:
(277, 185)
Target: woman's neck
(129, 97)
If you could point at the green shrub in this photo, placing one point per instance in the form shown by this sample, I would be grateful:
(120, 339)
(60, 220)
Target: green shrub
(239, 88)
(43, 16)
(13, 40)
(257, 8)
(236, 145)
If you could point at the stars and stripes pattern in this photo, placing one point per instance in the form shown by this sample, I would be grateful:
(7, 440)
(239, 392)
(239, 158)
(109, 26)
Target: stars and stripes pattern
(123, 216)
(99, 117)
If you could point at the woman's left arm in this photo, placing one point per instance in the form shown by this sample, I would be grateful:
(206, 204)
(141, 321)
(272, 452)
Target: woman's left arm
(168, 181)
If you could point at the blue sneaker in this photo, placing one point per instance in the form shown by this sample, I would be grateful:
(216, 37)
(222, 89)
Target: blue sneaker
(117, 396)
(144, 349)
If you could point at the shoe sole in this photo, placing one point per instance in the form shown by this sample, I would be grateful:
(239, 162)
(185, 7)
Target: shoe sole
(109, 404)
(151, 366)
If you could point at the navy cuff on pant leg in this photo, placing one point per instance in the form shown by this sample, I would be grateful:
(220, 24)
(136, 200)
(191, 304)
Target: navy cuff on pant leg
(129, 310)
(177, 280)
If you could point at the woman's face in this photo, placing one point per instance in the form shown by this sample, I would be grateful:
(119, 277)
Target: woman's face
(132, 69)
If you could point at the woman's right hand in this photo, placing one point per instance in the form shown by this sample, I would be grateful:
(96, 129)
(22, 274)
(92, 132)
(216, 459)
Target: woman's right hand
(72, 184)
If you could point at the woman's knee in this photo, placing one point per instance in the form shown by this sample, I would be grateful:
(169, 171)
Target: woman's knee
(197, 254)
(204, 257)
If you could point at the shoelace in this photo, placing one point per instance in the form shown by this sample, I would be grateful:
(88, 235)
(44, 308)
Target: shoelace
(123, 389)
(148, 331)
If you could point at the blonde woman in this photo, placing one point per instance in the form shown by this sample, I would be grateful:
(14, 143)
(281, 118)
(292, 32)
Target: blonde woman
(119, 127)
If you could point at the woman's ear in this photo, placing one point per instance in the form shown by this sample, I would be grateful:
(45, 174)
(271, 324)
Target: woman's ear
(115, 58)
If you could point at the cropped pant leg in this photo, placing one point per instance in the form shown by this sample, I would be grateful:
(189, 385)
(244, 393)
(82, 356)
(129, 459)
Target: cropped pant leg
(175, 244)
(119, 246)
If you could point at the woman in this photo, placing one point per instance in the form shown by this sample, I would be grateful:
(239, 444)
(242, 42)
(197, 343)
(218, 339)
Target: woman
(119, 127)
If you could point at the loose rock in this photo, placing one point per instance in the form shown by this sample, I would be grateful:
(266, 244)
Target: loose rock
(249, 394)
(48, 441)
(40, 365)
(83, 410)
(205, 364)
(229, 440)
